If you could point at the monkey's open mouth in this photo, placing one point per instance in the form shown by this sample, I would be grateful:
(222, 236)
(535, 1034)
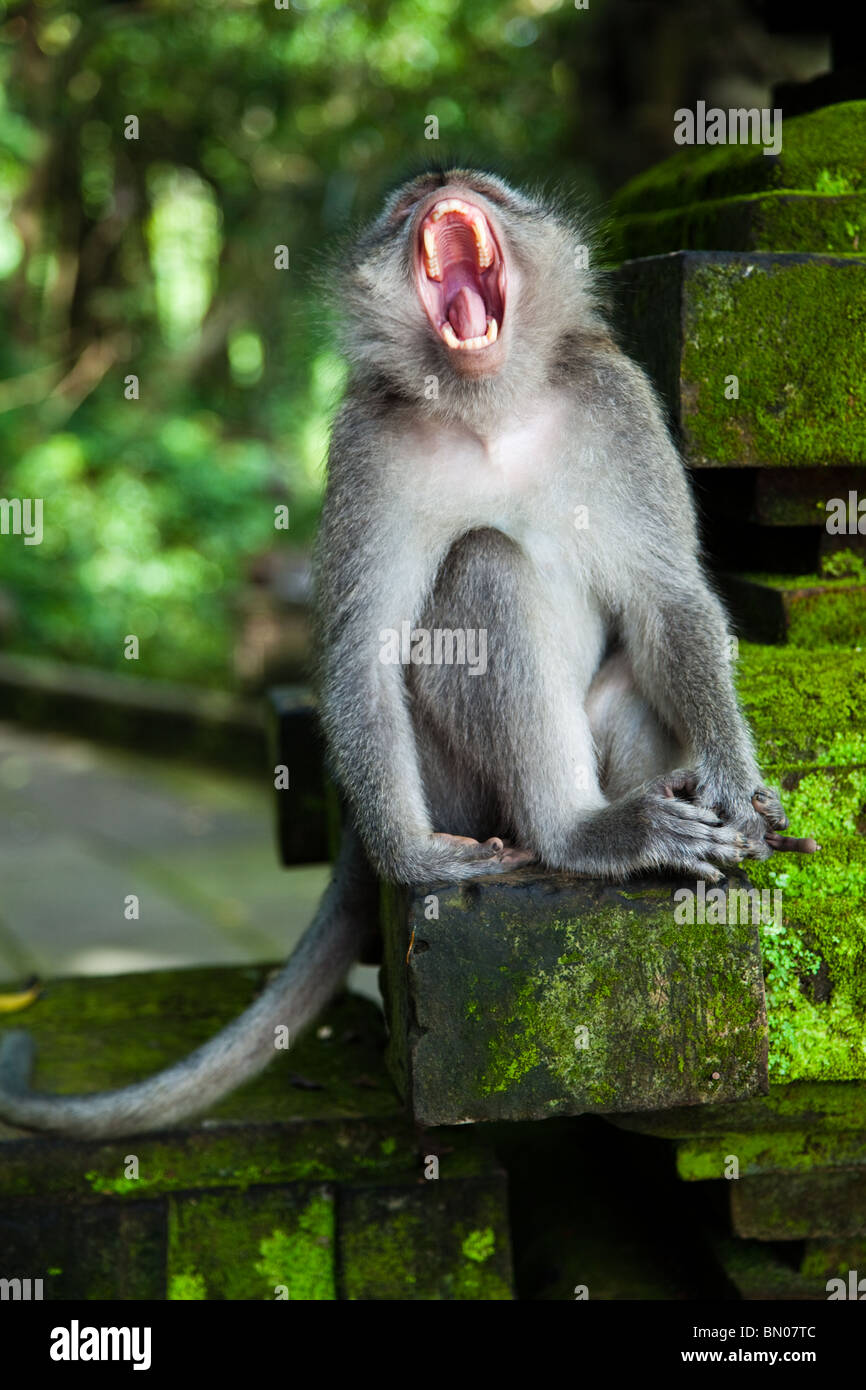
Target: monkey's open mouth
(461, 275)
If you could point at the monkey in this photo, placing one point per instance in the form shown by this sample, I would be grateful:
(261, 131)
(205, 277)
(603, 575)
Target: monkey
(499, 466)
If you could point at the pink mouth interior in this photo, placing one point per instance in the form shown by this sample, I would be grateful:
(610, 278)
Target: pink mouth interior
(468, 294)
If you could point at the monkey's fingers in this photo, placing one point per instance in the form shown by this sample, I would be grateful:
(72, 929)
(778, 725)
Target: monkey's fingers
(792, 844)
(20, 999)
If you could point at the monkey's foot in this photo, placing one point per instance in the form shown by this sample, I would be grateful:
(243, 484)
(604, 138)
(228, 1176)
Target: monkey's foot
(493, 856)
(767, 803)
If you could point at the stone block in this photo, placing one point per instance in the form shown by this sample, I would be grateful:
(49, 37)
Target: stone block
(789, 328)
(809, 611)
(822, 152)
(536, 994)
(827, 1205)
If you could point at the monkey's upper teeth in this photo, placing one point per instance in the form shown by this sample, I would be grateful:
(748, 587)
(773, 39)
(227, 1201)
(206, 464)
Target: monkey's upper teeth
(474, 218)
(484, 340)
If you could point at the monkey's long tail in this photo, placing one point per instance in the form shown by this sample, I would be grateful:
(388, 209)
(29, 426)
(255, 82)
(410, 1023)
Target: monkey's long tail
(294, 997)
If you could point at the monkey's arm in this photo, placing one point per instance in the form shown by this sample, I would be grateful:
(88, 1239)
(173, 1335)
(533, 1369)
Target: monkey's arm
(677, 637)
(377, 559)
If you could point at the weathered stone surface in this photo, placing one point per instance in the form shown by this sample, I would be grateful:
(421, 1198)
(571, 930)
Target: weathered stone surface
(829, 1205)
(809, 611)
(694, 319)
(822, 152)
(419, 1243)
(534, 995)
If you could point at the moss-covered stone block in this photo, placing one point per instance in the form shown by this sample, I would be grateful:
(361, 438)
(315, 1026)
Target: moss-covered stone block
(410, 1244)
(826, 1107)
(787, 1151)
(246, 1198)
(805, 610)
(800, 497)
(266, 1243)
(790, 329)
(825, 1204)
(823, 152)
(824, 223)
(535, 994)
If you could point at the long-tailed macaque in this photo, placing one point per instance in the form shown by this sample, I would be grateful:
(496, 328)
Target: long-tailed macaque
(519, 656)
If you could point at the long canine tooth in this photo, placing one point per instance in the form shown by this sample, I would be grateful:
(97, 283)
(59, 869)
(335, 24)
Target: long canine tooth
(434, 270)
(450, 336)
(482, 242)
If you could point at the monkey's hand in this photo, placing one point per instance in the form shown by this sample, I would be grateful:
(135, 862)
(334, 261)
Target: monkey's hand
(760, 817)
(458, 857)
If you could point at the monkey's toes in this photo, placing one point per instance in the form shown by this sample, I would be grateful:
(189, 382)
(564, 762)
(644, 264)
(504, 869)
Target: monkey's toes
(793, 844)
(768, 804)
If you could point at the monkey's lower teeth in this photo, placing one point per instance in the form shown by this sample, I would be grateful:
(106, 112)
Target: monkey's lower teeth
(485, 340)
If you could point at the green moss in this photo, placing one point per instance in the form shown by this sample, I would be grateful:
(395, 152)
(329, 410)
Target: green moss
(479, 1245)
(533, 1023)
(413, 1246)
(804, 708)
(809, 610)
(815, 959)
(302, 1261)
(187, 1287)
(119, 1187)
(250, 1244)
(822, 152)
(829, 225)
(787, 1151)
(769, 323)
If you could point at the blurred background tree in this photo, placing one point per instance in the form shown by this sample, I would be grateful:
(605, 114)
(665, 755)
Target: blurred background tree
(258, 127)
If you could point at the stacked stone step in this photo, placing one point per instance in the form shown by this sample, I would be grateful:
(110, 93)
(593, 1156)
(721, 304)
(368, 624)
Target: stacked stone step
(743, 292)
(307, 1184)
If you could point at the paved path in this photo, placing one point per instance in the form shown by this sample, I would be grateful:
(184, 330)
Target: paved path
(84, 826)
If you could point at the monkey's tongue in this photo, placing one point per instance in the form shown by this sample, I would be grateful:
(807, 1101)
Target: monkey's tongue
(467, 313)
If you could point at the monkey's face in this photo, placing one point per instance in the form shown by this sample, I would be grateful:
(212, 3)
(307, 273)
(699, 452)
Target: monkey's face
(465, 282)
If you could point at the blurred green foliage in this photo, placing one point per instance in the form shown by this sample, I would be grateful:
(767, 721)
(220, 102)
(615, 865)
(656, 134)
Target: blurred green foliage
(258, 126)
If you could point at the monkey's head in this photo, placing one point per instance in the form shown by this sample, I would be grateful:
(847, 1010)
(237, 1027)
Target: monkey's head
(467, 281)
